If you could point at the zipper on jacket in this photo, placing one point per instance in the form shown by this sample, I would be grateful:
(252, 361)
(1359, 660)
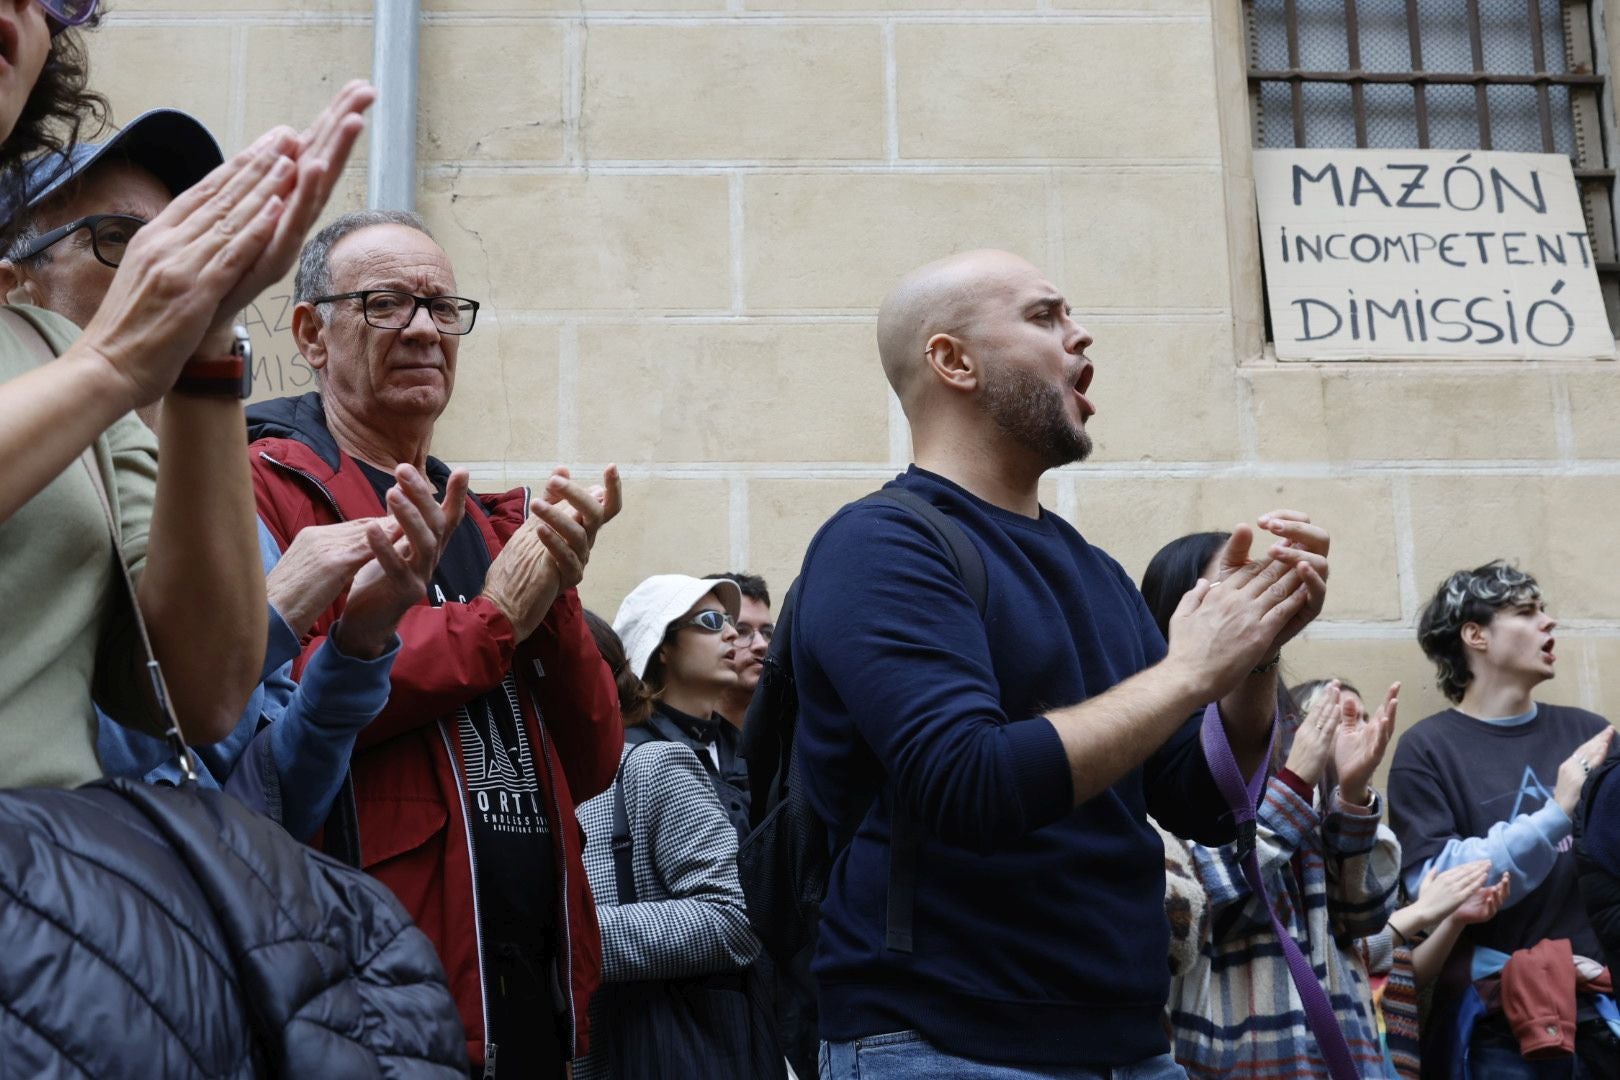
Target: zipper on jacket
(565, 934)
(472, 864)
(309, 478)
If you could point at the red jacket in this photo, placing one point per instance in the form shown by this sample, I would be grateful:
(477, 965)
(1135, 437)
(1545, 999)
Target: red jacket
(407, 768)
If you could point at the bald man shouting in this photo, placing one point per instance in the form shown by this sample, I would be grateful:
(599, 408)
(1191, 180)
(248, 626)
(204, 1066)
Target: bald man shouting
(1024, 748)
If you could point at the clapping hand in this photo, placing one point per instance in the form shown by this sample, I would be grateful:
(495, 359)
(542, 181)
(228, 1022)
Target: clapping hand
(1315, 739)
(1360, 747)
(1443, 892)
(1300, 546)
(1572, 773)
(317, 566)
(568, 517)
(190, 270)
(402, 562)
(548, 552)
(1483, 905)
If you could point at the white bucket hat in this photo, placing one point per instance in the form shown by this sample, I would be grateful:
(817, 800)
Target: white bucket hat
(645, 615)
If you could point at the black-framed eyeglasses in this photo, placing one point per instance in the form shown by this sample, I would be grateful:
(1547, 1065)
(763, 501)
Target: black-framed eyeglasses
(393, 309)
(110, 234)
(65, 13)
(746, 632)
(709, 621)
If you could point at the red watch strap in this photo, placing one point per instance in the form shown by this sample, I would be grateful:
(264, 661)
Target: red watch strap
(226, 367)
(221, 377)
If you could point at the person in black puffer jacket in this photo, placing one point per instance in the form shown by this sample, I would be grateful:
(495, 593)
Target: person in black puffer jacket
(1597, 856)
(150, 933)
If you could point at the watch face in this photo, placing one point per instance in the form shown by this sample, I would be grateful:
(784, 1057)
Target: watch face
(243, 350)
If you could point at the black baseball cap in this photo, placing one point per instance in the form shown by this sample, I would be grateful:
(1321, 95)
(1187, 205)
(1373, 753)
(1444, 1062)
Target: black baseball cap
(173, 146)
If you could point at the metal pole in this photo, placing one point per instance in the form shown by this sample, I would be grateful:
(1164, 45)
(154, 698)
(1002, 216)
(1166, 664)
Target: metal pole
(391, 171)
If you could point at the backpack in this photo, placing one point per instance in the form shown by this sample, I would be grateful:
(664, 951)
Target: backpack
(785, 860)
(719, 1026)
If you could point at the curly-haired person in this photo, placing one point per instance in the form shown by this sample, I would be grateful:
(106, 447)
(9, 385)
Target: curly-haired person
(1498, 777)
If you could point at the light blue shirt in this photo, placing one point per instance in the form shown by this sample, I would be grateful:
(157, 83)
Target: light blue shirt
(1525, 847)
(295, 738)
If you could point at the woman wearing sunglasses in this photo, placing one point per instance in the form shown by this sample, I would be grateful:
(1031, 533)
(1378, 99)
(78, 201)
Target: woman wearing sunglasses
(681, 635)
(164, 331)
(674, 922)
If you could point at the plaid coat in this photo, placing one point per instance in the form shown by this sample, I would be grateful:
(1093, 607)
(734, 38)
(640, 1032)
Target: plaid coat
(1332, 879)
(689, 918)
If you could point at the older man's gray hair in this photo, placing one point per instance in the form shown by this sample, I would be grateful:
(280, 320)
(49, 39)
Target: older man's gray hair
(24, 235)
(314, 277)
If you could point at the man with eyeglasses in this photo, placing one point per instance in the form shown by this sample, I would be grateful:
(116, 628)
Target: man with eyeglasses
(82, 211)
(754, 631)
(502, 714)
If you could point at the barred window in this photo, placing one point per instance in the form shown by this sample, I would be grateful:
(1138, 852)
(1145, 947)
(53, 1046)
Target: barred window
(1516, 75)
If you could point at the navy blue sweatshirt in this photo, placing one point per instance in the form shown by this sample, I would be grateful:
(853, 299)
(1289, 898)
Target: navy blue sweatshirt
(1040, 934)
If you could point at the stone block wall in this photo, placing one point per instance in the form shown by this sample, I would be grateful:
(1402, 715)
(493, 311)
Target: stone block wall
(681, 215)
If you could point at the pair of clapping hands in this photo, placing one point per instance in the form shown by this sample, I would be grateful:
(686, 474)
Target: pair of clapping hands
(1459, 894)
(387, 562)
(190, 271)
(1227, 626)
(1336, 728)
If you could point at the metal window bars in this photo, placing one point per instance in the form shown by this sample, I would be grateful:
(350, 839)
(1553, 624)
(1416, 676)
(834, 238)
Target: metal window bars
(1476, 74)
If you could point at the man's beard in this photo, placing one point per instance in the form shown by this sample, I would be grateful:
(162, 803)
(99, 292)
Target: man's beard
(1031, 411)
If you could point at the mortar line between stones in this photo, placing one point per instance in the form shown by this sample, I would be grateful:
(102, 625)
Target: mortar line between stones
(899, 434)
(238, 113)
(1057, 264)
(1563, 420)
(1068, 506)
(821, 166)
(567, 397)
(1248, 424)
(1102, 470)
(739, 522)
(891, 95)
(1405, 547)
(573, 76)
(734, 198)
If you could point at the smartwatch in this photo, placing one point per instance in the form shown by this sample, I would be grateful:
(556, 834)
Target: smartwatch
(228, 376)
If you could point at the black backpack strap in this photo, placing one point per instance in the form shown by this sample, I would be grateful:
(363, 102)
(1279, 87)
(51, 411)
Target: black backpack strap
(905, 838)
(624, 845)
(969, 563)
(767, 733)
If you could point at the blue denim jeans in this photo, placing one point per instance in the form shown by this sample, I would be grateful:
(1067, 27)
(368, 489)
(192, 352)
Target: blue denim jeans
(906, 1055)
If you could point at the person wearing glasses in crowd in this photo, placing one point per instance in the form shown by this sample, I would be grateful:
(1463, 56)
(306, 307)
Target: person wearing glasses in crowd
(680, 634)
(83, 208)
(502, 714)
(164, 330)
(755, 629)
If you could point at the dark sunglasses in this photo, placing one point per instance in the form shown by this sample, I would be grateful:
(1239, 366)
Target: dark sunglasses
(708, 620)
(66, 13)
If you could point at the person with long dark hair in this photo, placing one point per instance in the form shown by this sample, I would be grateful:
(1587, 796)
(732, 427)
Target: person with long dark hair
(1330, 872)
(186, 530)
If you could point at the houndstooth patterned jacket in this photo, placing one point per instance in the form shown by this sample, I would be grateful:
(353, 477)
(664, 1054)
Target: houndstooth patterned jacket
(690, 918)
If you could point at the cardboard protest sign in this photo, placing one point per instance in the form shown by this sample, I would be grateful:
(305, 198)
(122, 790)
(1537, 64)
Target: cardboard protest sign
(1427, 254)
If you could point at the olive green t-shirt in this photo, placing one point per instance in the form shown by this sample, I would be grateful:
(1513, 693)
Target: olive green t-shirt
(61, 601)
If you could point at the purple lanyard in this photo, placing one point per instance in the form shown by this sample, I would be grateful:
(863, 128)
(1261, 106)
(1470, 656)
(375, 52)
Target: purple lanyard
(1243, 796)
